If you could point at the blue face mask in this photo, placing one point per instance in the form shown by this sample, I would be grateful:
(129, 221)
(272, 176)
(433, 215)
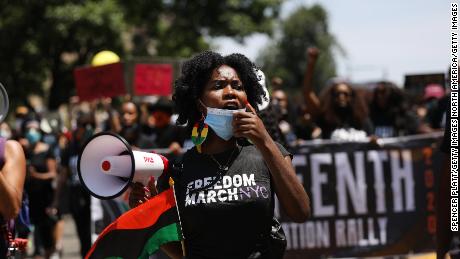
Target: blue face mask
(33, 136)
(220, 121)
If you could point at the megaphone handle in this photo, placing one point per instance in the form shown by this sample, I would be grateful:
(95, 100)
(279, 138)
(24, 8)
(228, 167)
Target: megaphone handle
(144, 181)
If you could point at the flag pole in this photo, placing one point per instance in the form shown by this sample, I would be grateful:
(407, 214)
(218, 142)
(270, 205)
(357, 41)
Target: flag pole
(182, 241)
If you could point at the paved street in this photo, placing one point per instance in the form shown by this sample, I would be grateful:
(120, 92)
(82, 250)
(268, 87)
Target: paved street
(71, 247)
(70, 242)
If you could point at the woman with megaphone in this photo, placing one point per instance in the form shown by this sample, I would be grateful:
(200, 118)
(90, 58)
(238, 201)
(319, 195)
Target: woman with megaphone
(226, 186)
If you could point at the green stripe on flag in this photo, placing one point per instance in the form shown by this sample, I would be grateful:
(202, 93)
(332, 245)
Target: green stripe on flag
(165, 234)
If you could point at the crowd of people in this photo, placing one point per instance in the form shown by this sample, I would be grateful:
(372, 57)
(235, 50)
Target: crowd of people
(52, 143)
(346, 113)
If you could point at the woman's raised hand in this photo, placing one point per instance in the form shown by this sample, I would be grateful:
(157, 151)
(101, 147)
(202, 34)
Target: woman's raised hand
(248, 125)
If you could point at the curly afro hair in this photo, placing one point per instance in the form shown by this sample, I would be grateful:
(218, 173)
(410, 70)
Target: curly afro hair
(197, 71)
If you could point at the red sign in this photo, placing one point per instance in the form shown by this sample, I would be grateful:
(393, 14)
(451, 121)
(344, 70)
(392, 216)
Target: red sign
(153, 79)
(99, 81)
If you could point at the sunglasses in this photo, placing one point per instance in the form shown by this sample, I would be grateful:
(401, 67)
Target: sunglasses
(339, 93)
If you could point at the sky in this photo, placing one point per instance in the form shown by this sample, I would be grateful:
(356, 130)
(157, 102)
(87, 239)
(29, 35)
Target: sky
(384, 39)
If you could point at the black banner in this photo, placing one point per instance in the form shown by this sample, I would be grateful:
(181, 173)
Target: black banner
(366, 200)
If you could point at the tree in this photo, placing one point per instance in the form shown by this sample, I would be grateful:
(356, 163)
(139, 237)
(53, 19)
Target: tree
(43, 41)
(287, 56)
(46, 40)
(180, 28)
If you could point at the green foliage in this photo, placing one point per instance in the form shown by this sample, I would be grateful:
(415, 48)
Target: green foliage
(48, 39)
(180, 28)
(287, 56)
(43, 41)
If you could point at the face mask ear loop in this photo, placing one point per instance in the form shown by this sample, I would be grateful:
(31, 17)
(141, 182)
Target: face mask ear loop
(204, 107)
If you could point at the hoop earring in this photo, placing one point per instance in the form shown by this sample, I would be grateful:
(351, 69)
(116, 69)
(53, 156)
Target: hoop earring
(199, 134)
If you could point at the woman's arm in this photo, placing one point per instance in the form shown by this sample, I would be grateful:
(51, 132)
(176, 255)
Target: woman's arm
(288, 188)
(311, 100)
(12, 178)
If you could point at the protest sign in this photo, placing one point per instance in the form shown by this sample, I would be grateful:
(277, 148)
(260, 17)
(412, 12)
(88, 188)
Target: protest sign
(153, 79)
(99, 81)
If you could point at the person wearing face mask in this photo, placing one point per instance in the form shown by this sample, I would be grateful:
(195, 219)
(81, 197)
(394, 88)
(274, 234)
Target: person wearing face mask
(222, 215)
(158, 132)
(42, 171)
(21, 114)
(5, 131)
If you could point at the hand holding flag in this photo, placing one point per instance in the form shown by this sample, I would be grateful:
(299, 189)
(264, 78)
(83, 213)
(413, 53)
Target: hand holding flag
(139, 232)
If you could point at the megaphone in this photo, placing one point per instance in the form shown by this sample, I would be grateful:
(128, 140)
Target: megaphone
(4, 103)
(107, 165)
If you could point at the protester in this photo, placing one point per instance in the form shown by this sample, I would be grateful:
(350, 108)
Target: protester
(277, 83)
(42, 171)
(270, 112)
(428, 111)
(294, 124)
(130, 129)
(221, 92)
(158, 132)
(79, 200)
(22, 113)
(271, 117)
(5, 131)
(106, 117)
(342, 114)
(435, 102)
(287, 116)
(390, 112)
(305, 126)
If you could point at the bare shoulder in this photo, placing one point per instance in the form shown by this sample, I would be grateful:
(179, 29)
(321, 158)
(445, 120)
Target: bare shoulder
(13, 150)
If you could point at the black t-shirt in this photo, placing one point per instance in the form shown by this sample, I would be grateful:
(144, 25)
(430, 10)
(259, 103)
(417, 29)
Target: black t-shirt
(39, 160)
(40, 192)
(345, 122)
(131, 133)
(387, 125)
(230, 218)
